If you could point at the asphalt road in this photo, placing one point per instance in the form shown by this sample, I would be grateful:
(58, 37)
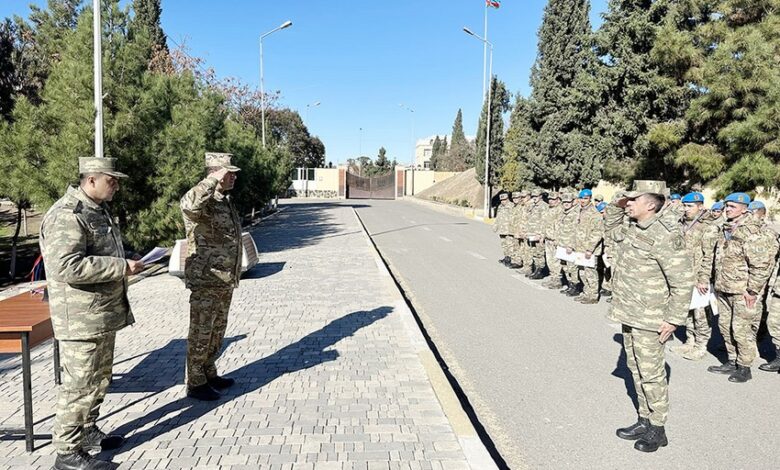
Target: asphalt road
(546, 375)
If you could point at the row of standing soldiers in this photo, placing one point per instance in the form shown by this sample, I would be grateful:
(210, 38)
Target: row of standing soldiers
(533, 228)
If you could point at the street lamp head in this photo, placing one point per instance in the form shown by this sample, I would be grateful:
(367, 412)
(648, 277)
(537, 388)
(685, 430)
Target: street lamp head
(286, 24)
(316, 104)
(469, 32)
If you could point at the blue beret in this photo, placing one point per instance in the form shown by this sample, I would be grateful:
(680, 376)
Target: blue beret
(693, 197)
(586, 193)
(601, 206)
(717, 206)
(675, 197)
(740, 198)
(756, 205)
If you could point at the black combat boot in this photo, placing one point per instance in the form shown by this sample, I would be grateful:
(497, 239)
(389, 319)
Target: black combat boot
(221, 383)
(96, 441)
(741, 375)
(514, 265)
(81, 461)
(635, 431)
(726, 368)
(654, 438)
(575, 291)
(606, 293)
(203, 393)
(538, 274)
(773, 366)
(504, 261)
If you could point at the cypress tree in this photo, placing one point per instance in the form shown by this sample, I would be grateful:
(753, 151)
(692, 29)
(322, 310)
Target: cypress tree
(148, 14)
(499, 104)
(461, 155)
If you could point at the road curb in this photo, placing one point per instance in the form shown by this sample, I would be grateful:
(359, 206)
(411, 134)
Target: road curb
(474, 449)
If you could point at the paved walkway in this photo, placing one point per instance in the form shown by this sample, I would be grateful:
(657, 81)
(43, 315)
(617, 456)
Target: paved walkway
(327, 359)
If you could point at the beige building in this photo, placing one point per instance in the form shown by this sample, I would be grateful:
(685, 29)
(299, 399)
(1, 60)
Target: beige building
(423, 149)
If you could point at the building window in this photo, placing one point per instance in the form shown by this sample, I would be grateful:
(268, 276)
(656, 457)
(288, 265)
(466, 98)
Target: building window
(427, 153)
(310, 174)
(427, 165)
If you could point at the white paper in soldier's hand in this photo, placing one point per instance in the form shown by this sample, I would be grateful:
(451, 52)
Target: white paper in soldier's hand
(699, 300)
(155, 255)
(561, 254)
(581, 260)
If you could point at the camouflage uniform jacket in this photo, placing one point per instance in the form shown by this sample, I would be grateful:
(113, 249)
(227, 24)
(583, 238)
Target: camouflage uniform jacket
(652, 275)
(213, 237)
(536, 215)
(744, 256)
(567, 227)
(701, 235)
(85, 268)
(551, 221)
(590, 230)
(503, 219)
(519, 221)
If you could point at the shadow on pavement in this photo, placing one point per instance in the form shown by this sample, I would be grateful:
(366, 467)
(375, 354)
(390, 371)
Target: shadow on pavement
(264, 270)
(307, 352)
(622, 371)
(304, 224)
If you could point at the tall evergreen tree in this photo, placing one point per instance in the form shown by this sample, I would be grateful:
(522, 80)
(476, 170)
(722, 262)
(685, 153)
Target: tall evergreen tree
(7, 69)
(148, 14)
(519, 147)
(499, 104)
(461, 155)
(436, 153)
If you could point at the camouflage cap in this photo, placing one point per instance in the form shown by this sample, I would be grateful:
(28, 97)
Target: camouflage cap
(524, 193)
(99, 165)
(220, 160)
(554, 195)
(536, 192)
(516, 194)
(598, 197)
(503, 196)
(568, 197)
(646, 187)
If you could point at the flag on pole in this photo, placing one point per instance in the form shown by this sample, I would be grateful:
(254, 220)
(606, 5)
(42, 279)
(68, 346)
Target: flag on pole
(493, 3)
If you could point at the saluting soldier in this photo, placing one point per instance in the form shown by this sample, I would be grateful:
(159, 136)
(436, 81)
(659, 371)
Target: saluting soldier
(503, 227)
(652, 285)
(744, 258)
(86, 270)
(212, 271)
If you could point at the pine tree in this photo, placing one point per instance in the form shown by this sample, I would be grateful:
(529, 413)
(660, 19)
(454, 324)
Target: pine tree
(148, 14)
(499, 104)
(8, 79)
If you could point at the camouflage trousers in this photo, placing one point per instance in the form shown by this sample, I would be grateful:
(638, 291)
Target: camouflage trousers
(553, 263)
(526, 257)
(506, 245)
(739, 325)
(697, 328)
(209, 309)
(86, 374)
(571, 271)
(536, 250)
(645, 360)
(773, 320)
(590, 282)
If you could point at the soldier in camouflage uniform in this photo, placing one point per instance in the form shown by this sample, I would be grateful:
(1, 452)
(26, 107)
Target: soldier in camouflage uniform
(550, 226)
(522, 233)
(567, 238)
(502, 227)
(700, 234)
(744, 258)
(537, 213)
(652, 282)
(87, 271)
(212, 271)
(589, 234)
(773, 321)
(514, 221)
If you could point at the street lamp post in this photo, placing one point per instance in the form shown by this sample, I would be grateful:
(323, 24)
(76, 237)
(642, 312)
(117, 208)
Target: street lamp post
(486, 209)
(284, 25)
(310, 105)
(413, 157)
(98, 70)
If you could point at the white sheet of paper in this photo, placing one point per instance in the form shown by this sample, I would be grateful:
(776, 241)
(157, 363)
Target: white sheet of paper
(561, 254)
(156, 254)
(700, 301)
(581, 260)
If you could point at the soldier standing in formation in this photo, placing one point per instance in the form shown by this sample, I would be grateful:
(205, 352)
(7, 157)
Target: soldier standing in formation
(503, 229)
(744, 258)
(551, 221)
(87, 274)
(649, 257)
(212, 271)
(514, 221)
(588, 236)
(701, 235)
(567, 239)
(537, 212)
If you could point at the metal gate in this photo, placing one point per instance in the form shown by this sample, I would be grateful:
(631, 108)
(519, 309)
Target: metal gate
(375, 187)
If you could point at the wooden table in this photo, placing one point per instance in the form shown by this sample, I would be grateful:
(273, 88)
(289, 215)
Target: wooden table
(24, 324)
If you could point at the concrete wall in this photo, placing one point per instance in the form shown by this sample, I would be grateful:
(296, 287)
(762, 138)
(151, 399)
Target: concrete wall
(324, 185)
(420, 180)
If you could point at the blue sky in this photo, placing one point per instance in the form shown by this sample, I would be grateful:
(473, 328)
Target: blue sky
(360, 60)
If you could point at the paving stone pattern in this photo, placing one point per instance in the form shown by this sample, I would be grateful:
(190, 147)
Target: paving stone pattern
(327, 375)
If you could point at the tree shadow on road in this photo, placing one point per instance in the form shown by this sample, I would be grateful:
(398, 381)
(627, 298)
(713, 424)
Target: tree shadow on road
(262, 270)
(299, 225)
(305, 353)
(622, 371)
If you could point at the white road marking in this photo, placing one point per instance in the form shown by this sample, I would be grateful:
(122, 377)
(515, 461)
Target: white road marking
(412, 221)
(445, 239)
(528, 282)
(427, 229)
(476, 255)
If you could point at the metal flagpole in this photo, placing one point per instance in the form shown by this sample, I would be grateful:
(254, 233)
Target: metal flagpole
(98, 64)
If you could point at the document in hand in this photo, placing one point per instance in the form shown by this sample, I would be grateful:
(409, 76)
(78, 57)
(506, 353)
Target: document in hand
(561, 254)
(581, 260)
(155, 255)
(699, 300)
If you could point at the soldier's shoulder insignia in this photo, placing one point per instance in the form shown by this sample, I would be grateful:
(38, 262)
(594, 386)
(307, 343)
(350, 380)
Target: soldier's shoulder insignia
(670, 225)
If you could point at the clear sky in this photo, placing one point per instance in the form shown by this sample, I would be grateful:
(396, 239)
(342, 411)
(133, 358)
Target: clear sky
(360, 60)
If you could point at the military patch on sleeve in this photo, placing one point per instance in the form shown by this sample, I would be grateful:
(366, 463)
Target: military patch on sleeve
(678, 242)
